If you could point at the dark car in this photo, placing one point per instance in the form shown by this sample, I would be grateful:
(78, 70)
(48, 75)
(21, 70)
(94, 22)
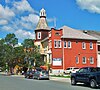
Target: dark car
(87, 75)
(29, 74)
(41, 75)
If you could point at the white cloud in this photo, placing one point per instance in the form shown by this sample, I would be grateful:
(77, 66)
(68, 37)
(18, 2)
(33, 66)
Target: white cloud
(50, 19)
(22, 34)
(31, 18)
(20, 18)
(6, 12)
(23, 6)
(7, 28)
(30, 21)
(3, 22)
(90, 5)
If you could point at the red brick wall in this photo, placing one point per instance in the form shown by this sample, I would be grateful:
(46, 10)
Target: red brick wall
(56, 52)
(71, 53)
(76, 50)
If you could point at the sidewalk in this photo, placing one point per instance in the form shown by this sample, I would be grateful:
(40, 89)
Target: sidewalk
(60, 79)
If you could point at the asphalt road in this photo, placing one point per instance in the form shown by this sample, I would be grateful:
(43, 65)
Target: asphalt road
(20, 83)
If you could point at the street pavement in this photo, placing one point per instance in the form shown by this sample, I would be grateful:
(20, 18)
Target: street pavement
(60, 79)
(18, 82)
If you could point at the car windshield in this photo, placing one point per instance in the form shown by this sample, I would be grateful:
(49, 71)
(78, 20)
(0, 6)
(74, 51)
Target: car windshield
(44, 72)
(68, 69)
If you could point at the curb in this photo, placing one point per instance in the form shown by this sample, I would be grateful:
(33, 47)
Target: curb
(60, 79)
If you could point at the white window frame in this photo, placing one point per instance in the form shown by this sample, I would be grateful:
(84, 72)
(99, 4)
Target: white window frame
(91, 45)
(65, 44)
(69, 44)
(91, 60)
(55, 44)
(83, 59)
(39, 35)
(59, 43)
(83, 45)
(77, 59)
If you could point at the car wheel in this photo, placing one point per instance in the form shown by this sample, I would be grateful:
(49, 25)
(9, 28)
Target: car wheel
(73, 81)
(93, 83)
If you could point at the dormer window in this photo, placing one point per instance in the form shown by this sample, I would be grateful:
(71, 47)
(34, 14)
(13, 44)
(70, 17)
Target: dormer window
(57, 33)
(39, 35)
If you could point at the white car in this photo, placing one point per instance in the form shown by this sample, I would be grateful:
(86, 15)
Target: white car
(71, 70)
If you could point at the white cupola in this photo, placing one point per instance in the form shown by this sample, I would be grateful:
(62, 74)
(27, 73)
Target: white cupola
(42, 13)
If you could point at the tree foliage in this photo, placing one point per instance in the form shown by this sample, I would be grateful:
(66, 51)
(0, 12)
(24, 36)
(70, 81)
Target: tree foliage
(22, 55)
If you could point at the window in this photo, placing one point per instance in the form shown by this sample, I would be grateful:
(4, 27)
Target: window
(55, 44)
(84, 60)
(91, 60)
(83, 45)
(57, 34)
(39, 35)
(59, 44)
(83, 70)
(91, 45)
(77, 59)
(65, 44)
(69, 44)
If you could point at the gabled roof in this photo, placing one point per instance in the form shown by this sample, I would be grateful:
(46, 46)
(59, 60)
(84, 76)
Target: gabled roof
(42, 24)
(75, 34)
(93, 33)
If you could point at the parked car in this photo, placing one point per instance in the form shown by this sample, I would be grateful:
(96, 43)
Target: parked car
(87, 75)
(41, 75)
(29, 74)
(71, 70)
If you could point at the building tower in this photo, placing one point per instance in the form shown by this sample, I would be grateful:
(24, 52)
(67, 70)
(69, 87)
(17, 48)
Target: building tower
(42, 30)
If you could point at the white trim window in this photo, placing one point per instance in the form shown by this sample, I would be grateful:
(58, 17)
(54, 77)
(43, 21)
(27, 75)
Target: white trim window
(83, 45)
(65, 44)
(77, 59)
(84, 60)
(55, 44)
(69, 44)
(39, 35)
(91, 45)
(59, 43)
(91, 60)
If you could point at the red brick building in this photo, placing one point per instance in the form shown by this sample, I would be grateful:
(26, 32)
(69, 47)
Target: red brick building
(65, 47)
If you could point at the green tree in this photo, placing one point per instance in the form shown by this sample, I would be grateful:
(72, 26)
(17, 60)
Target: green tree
(32, 52)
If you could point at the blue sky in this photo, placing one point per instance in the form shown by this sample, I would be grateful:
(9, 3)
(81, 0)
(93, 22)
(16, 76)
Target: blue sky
(21, 16)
